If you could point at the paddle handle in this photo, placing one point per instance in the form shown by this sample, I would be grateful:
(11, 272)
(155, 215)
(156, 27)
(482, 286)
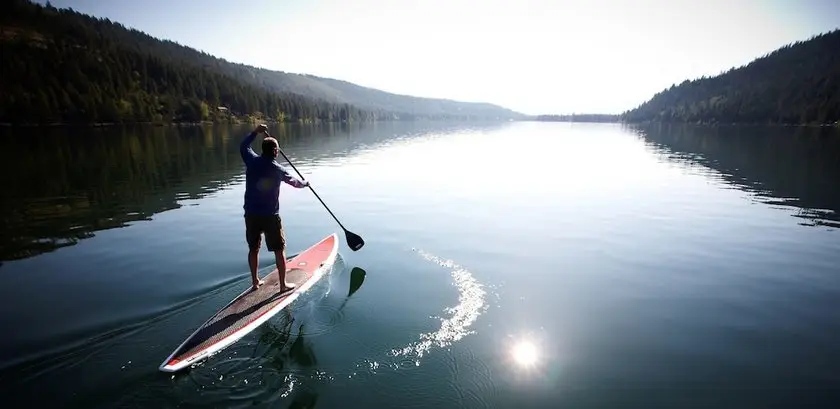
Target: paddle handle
(310, 186)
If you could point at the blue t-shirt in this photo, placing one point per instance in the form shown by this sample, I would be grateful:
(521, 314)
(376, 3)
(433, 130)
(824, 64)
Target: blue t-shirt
(263, 176)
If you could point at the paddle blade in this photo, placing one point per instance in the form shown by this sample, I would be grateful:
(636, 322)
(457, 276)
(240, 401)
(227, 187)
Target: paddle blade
(354, 241)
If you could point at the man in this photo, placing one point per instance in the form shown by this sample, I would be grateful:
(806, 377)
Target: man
(263, 177)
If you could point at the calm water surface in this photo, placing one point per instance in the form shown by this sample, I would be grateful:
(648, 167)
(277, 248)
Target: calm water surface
(506, 265)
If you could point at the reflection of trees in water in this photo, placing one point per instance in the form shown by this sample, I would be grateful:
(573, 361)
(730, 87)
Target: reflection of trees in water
(305, 142)
(63, 184)
(783, 166)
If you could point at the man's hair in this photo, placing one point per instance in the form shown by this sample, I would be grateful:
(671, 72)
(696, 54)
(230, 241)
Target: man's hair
(268, 145)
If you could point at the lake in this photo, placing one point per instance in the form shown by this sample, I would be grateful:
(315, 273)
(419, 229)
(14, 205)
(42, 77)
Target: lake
(525, 265)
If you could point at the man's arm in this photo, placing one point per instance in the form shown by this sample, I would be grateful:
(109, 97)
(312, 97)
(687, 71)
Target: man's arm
(245, 149)
(289, 179)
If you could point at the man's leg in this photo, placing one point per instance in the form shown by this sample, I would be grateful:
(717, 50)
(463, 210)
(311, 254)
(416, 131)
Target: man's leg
(280, 256)
(275, 238)
(254, 238)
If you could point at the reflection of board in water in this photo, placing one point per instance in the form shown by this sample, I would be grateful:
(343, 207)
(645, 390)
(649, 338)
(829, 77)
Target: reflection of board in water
(251, 309)
(281, 363)
(285, 346)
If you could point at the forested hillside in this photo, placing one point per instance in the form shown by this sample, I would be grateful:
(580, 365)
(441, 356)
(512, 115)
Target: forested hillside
(796, 84)
(64, 66)
(369, 98)
(332, 90)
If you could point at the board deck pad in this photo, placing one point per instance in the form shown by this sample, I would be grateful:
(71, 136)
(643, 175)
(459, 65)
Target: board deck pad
(253, 305)
(241, 312)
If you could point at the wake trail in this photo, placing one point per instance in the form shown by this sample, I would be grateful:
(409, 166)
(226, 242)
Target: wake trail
(457, 325)
(454, 326)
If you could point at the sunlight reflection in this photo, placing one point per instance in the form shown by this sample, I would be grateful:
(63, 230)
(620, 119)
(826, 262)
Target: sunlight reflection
(525, 353)
(454, 164)
(529, 357)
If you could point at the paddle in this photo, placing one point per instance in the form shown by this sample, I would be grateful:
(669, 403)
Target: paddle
(354, 241)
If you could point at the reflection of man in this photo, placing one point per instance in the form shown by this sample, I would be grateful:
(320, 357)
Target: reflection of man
(263, 177)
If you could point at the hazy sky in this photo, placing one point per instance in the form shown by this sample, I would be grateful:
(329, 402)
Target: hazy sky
(533, 56)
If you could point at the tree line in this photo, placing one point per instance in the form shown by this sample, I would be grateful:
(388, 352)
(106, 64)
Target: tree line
(61, 66)
(795, 84)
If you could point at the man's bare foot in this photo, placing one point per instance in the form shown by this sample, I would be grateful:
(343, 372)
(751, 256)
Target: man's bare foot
(256, 285)
(286, 287)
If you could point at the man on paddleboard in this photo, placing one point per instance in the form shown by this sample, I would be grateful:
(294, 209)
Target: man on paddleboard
(263, 177)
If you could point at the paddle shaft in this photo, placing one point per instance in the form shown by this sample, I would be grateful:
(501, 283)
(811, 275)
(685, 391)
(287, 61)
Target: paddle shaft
(310, 186)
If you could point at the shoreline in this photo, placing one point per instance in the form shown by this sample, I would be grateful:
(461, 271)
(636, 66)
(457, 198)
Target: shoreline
(274, 122)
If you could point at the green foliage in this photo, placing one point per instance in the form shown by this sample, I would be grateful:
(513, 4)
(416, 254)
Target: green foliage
(796, 84)
(64, 66)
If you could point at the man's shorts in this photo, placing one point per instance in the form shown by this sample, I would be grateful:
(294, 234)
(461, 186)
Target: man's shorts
(271, 226)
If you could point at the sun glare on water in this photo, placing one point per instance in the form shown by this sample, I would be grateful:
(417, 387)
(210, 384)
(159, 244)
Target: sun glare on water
(525, 353)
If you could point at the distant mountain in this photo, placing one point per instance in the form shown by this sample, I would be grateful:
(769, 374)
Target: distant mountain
(65, 66)
(327, 89)
(795, 84)
(344, 92)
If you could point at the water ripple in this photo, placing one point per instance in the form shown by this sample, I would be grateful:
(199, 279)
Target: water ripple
(473, 381)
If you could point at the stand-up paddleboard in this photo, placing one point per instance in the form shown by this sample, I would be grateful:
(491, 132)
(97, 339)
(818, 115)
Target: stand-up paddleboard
(252, 308)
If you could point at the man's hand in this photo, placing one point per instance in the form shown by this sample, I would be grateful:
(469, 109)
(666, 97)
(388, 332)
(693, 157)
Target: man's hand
(260, 129)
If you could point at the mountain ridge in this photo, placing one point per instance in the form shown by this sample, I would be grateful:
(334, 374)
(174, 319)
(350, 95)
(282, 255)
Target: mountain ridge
(114, 73)
(342, 91)
(333, 90)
